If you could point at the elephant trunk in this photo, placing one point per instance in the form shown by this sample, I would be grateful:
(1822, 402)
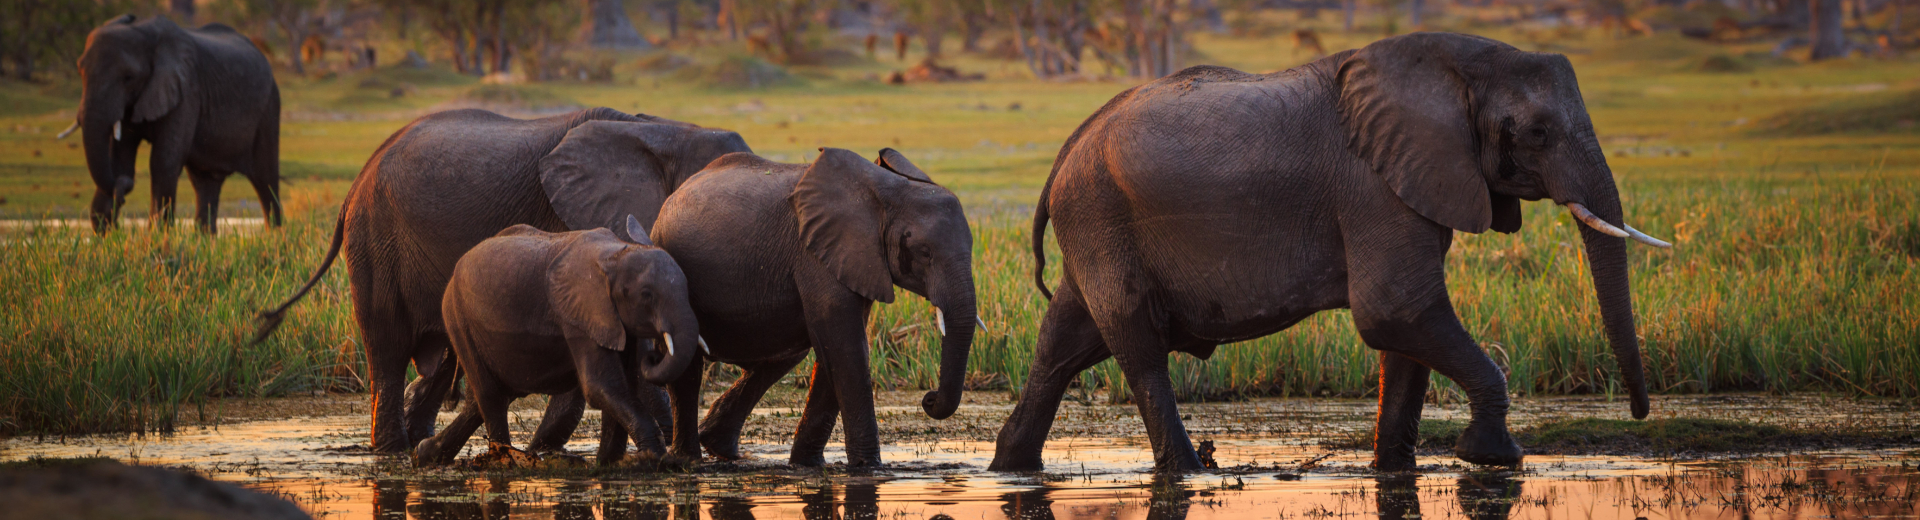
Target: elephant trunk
(677, 350)
(100, 124)
(1607, 259)
(953, 300)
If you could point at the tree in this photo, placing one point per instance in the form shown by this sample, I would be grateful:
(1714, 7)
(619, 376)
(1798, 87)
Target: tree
(37, 35)
(608, 27)
(182, 11)
(1829, 38)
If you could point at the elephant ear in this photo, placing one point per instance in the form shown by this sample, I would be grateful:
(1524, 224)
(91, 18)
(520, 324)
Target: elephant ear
(840, 221)
(603, 171)
(173, 62)
(1408, 113)
(896, 163)
(581, 295)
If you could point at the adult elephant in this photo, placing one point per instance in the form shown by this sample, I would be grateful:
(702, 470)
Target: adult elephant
(450, 180)
(1215, 206)
(783, 260)
(204, 98)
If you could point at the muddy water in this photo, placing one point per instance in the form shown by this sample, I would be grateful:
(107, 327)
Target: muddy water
(311, 460)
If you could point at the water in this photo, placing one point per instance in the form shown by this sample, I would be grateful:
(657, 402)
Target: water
(1090, 477)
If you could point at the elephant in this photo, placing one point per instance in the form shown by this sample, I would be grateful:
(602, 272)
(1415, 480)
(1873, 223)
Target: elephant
(1215, 206)
(204, 98)
(786, 259)
(448, 181)
(535, 312)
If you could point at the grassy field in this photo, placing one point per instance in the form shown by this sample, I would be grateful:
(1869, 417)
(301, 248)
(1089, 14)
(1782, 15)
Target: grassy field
(1788, 188)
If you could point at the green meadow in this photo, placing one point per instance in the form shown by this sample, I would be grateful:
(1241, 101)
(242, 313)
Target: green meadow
(1788, 188)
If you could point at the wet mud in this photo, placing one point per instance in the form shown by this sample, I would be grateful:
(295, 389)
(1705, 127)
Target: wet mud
(1277, 465)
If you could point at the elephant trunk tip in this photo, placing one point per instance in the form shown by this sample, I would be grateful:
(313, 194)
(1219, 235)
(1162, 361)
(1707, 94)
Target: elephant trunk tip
(1640, 406)
(940, 403)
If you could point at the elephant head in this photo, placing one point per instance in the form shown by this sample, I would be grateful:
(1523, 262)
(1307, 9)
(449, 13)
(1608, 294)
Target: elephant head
(130, 73)
(604, 170)
(1463, 127)
(884, 223)
(622, 293)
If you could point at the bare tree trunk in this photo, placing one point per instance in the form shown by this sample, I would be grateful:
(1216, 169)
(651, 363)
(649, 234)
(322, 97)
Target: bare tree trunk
(608, 27)
(1829, 37)
(1348, 7)
(1416, 6)
(1020, 42)
(729, 18)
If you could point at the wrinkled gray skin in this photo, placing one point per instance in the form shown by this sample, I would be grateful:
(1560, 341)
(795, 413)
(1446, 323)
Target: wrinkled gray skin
(1215, 206)
(550, 313)
(449, 180)
(786, 259)
(204, 98)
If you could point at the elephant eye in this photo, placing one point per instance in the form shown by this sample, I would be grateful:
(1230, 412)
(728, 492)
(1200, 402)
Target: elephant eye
(646, 294)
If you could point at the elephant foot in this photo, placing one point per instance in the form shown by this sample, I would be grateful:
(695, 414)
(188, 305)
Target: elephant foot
(1177, 464)
(1392, 463)
(430, 454)
(503, 456)
(1487, 446)
(721, 446)
(1016, 463)
(807, 460)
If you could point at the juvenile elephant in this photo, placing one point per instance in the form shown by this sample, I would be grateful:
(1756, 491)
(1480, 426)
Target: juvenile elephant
(536, 312)
(206, 100)
(1214, 206)
(786, 259)
(449, 180)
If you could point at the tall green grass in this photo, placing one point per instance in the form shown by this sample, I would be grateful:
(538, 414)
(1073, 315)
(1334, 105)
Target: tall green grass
(124, 332)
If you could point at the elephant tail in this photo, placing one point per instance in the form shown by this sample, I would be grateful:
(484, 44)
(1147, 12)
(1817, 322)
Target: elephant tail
(1040, 241)
(270, 320)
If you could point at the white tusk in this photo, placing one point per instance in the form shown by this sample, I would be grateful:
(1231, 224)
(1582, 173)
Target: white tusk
(1588, 218)
(940, 320)
(703, 346)
(68, 131)
(1644, 239)
(116, 130)
(982, 324)
(669, 344)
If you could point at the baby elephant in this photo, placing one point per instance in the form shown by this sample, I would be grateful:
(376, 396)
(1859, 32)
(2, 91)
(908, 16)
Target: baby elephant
(536, 312)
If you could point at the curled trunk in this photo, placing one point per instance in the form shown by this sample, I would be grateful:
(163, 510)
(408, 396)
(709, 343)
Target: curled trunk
(675, 353)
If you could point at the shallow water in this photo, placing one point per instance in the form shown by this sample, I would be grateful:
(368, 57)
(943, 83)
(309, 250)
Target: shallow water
(1089, 478)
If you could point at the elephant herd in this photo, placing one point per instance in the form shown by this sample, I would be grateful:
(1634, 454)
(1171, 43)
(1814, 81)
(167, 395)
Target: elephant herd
(600, 257)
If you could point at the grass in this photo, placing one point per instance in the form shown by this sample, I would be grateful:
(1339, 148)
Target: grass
(1794, 269)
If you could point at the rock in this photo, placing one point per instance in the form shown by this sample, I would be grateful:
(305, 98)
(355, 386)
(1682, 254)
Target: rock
(103, 488)
(415, 60)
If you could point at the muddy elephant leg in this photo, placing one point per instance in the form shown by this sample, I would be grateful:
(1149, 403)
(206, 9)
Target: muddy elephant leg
(613, 440)
(206, 198)
(816, 421)
(559, 421)
(720, 430)
(1400, 305)
(1403, 392)
(1069, 343)
(606, 380)
(389, 344)
(442, 448)
(686, 409)
(424, 394)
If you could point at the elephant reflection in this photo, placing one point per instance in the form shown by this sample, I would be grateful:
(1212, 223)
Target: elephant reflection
(1169, 498)
(1483, 496)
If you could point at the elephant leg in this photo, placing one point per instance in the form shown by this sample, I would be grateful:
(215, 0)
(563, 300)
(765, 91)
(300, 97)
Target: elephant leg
(442, 448)
(431, 358)
(686, 409)
(720, 430)
(1403, 391)
(816, 421)
(389, 344)
(265, 176)
(1400, 305)
(613, 439)
(492, 400)
(606, 380)
(1069, 343)
(655, 402)
(165, 162)
(560, 420)
(206, 198)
